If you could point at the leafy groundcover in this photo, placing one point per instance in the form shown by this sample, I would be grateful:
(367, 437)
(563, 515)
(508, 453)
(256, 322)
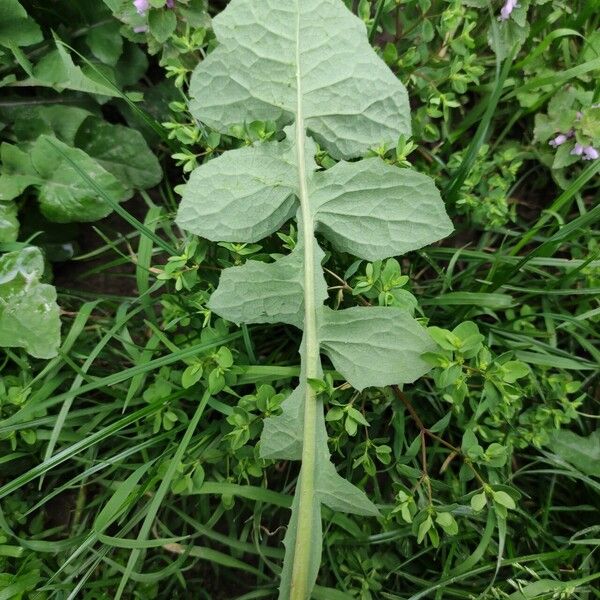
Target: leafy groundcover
(299, 299)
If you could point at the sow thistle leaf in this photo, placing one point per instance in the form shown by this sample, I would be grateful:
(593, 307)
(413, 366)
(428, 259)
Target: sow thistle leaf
(282, 435)
(312, 72)
(248, 193)
(582, 452)
(29, 315)
(373, 210)
(351, 101)
(374, 346)
(258, 292)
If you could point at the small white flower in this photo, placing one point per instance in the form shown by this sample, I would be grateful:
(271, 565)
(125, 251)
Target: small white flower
(577, 149)
(561, 138)
(141, 6)
(507, 9)
(590, 153)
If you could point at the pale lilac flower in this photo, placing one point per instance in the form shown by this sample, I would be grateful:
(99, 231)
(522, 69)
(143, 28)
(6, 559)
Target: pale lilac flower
(590, 153)
(508, 7)
(577, 149)
(170, 3)
(140, 29)
(561, 138)
(141, 6)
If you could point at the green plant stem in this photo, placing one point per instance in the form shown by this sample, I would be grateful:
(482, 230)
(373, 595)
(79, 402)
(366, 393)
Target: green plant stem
(426, 432)
(306, 481)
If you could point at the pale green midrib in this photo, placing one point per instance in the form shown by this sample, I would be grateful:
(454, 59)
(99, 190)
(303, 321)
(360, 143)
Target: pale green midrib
(306, 482)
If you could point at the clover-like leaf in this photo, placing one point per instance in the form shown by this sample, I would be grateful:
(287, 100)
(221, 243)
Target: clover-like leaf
(313, 73)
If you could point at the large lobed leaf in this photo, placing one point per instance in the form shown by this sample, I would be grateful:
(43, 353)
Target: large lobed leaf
(308, 67)
(351, 101)
(582, 452)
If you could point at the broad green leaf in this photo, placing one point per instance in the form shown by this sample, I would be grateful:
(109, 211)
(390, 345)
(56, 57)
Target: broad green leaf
(9, 223)
(122, 151)
(258, 292)
(273, 54)
(284, 441)
(563, 157)
(16, 172)
(16, 27)
(57, 70)
(373, 210)
(29, 314)
(248, 193)
(60, 121)
(64, 195)
(374, 346)
(582, 452)
(162, 23)
(105, 42)
(508, 36)
(282, 435)
(125, 11)
(308, 67)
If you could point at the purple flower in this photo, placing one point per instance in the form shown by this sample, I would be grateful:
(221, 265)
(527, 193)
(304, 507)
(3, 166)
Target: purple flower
(508, 7)
(170, 3)
(590, 153)
(577, 149)
(141, 6)
(561, 138)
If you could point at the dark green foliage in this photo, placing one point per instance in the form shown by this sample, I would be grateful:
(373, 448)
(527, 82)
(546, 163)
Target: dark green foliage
(130, 462)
